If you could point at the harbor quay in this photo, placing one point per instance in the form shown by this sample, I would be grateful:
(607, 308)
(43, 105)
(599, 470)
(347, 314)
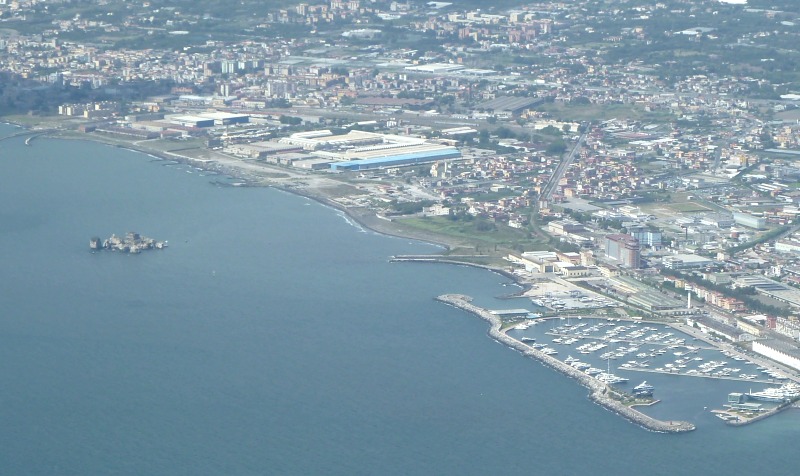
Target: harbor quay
(599, 391)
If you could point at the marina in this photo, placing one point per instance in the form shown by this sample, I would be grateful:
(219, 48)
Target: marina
(614, 351)
(602, 385)
(655, 348)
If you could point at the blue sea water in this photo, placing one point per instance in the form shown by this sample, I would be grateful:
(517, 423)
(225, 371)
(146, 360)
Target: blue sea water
(273, 337)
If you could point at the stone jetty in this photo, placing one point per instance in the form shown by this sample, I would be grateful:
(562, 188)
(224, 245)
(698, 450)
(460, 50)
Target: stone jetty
(598, 390)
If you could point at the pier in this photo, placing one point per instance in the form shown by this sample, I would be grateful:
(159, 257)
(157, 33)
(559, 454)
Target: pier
(701, 375)
(454, 259)
(616, 340)
(599, 392)
(739, 419)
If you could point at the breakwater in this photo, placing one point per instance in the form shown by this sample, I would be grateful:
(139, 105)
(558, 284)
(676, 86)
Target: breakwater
(453, 259)
(599, 392)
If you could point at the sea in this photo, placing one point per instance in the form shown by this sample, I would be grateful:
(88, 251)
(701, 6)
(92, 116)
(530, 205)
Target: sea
(274, 337)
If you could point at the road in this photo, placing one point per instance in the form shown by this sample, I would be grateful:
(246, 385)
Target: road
(566, 161)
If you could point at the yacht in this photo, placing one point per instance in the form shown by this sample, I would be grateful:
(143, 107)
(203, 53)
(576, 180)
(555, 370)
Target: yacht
(609, 378)
(783, 393)
(768, 395)
(643, 389)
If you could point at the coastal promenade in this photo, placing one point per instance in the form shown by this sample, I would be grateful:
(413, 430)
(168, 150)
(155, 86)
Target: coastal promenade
(599, 392)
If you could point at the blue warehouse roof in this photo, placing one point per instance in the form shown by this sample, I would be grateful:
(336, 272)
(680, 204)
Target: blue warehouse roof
(395, 160)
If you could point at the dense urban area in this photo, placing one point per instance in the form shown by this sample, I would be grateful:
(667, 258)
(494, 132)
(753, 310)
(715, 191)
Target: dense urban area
(639, 157)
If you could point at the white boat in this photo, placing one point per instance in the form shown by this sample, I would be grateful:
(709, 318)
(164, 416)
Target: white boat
(643, 389)
(609, 378)
(789, 391)
(768, 395)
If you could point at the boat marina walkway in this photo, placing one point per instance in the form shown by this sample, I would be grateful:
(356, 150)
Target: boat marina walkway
(684, 374)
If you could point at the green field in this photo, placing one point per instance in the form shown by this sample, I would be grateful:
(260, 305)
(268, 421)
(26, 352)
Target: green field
(688, 207)
(499, 237)
(602, 112)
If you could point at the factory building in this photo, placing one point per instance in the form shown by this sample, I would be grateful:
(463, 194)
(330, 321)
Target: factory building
(745, 219)
(192, 121)
(359, 150)
(684, 261)
(394, 160)
(778, 351)
(209, 119)
(624, 249)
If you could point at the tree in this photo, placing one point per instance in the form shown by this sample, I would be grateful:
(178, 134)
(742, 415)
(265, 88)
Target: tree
(291, 120)
(551, 130)
(484, 225)
(556, 147)
(504, 132)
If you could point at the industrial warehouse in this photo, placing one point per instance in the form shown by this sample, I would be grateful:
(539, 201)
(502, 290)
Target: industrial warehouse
(355, 150)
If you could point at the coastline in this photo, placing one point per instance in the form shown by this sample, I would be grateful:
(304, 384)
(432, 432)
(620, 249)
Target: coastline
(598, 390)
(369, 220)
(258, 176)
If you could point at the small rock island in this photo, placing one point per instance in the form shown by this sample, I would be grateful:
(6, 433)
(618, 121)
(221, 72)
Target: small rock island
(132, 243)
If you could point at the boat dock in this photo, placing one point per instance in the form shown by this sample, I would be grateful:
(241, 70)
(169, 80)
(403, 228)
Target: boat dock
(684, 374)
(625, 341)
(738, 418)
(600, 392)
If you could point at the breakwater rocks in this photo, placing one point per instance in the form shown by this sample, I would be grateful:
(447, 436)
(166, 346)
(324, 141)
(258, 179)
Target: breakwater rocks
(599, 392)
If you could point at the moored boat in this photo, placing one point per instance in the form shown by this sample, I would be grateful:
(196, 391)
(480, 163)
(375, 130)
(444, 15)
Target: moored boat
(643, 389)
